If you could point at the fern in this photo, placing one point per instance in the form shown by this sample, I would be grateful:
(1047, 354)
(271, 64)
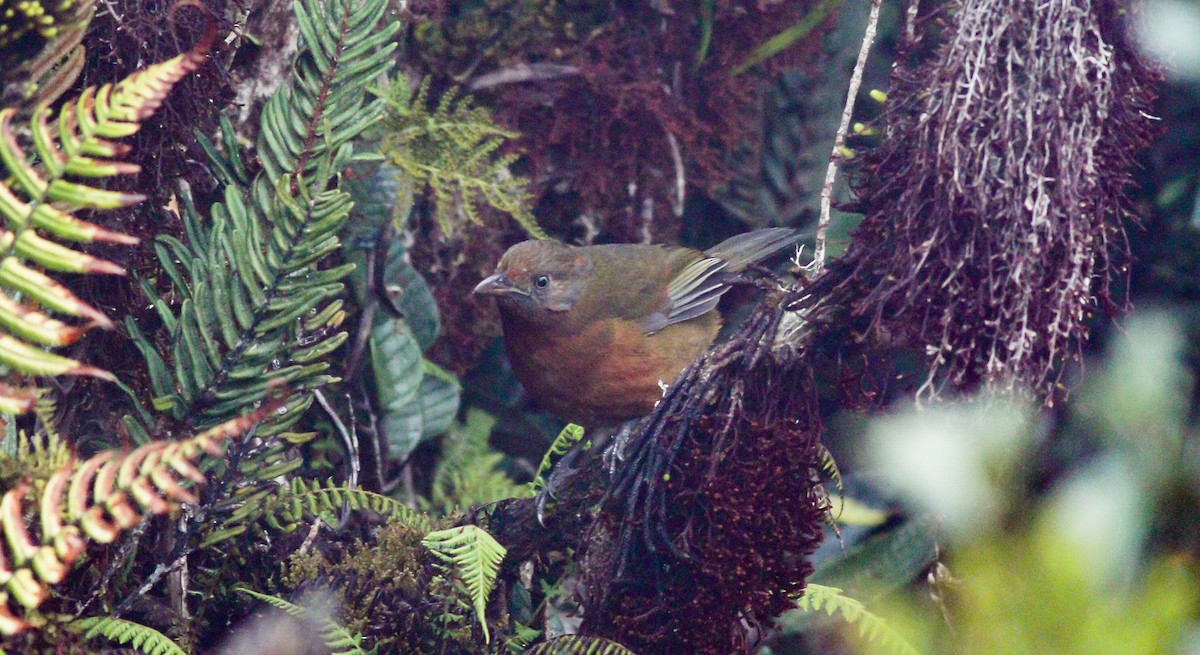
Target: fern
(870, 626)
(142, 638)
(579, 645)
(255, 302)
(39, 455)
(291, 504)
(453, 149)
(37, 198)
(469, 472)
(97, 500)
(336, 638)
(570, 435)
(475, 556)
(254, 306)
(830, 466)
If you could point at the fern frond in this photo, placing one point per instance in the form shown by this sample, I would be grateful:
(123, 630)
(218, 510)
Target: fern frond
(336, 638)
(291, 504)
(570, 435)
(470, 472)
(254, 306)
(871, 627)
(97, 500)
(255, 301)
(830, 467)
(39, 455)
(579, 645)
(475, 556)
(453, 149)
(45, 183)
(346, 45)
(141, 638)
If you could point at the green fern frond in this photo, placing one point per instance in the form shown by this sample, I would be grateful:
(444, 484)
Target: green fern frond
(254, 307)
(453, 149)
(570, 435)
(346, 46)
(830, 467)
(336, 638)
(35, 457)
(255, 302)
(46, 174)
(286, 508)
(579, 645)
(470, 472)
(141, 638)
(475, 556)
(97, 500)
(871, 627)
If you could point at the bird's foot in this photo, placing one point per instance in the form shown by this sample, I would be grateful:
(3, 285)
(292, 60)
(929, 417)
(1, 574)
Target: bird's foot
(614, 454)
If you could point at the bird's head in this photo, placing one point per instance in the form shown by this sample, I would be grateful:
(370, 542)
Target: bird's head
(538, 279)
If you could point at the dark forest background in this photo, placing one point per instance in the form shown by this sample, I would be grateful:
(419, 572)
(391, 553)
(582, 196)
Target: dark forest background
(252, 406)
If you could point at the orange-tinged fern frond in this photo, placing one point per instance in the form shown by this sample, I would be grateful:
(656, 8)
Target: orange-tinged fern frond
(46, 166)
(97, 500)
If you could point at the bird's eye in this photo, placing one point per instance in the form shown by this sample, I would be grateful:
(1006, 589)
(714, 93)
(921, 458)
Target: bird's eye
(542, 281)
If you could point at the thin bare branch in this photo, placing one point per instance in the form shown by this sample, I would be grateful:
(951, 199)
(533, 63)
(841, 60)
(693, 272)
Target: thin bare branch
(839, 142)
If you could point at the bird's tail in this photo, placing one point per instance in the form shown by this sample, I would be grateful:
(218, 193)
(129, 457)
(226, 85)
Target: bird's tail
(751, 247)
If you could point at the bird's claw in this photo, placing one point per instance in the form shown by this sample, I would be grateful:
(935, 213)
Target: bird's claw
(540, 501)
(614, 454)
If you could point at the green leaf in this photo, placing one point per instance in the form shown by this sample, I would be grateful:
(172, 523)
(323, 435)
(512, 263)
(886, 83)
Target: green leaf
(413, 296)
(872, 628)
(570, 435)
(475, 556)
(408, 296)
(788, 37)
(141, 638)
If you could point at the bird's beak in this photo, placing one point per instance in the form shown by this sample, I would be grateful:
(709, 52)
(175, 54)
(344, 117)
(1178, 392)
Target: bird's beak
(496, 285)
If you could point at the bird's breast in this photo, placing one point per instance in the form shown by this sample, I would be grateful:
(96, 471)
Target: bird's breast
(607, 372)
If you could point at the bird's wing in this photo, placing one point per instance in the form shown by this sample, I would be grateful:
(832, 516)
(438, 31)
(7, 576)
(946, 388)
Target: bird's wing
(693, 291)
(749, 248)
(698, 286)
(696, 290)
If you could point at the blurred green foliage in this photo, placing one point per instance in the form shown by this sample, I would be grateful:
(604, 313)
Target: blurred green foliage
(1093, 559)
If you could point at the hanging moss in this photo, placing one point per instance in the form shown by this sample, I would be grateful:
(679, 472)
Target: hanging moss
(994, 204)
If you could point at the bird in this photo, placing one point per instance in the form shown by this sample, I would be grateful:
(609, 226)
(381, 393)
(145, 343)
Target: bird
(596, 334)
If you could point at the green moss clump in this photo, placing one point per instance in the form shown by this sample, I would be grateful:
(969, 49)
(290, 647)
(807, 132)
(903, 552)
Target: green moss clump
(391, 592)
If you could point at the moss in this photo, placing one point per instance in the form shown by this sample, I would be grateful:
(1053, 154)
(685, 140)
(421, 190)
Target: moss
(390, 592)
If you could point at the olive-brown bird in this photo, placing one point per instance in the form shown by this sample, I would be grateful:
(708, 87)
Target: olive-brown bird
(596, 333)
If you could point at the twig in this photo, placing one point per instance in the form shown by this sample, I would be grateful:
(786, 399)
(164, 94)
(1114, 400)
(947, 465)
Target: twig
(839, 142)
(539, 72)
(177, 583)
(349, 438)
(680, 179)
(310, 538)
